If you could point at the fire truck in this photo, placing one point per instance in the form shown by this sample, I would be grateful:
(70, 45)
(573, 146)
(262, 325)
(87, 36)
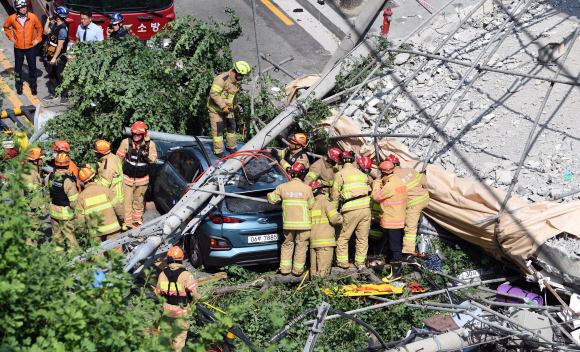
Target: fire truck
(143, 18)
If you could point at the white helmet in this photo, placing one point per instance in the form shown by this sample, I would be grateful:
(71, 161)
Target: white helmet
(19, 4)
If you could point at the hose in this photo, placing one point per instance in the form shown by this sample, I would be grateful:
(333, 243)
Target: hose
(284, 331)
(360, 322)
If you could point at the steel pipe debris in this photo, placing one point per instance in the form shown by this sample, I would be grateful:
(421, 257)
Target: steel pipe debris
(233, 195)
(279, 63)
(278, 66)
(471, 68)
(412, 298)
(331, 128)
(257, 42)
(486, 68)
(414, 74)
(530, 136)
(560, 196)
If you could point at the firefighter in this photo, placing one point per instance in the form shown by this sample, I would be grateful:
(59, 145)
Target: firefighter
(418, 200)
(178, 287)
(351, 192)
(64, 195)
(323, 170)
(33, 184)
(109, 169)
(137, 152)
(63, 147)
(97, 201)
(221, 105)
(322, 237)
(294, 153)
(365, 164)
(297, 200)
(391, 193)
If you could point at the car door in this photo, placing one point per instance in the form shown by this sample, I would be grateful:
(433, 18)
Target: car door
(186, 168)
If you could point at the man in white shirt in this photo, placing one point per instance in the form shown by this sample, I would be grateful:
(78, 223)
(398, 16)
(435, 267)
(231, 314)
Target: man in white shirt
(88, 31)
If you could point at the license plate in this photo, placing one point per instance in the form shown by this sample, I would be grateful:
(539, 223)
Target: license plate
(263, 238)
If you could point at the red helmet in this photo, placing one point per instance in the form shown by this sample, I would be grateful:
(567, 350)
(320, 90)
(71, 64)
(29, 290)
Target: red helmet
(365, 164)
(386, 167)
(175, 253)
(139, 127)
(61, 146)
(334, 154)
(347, 157)
(62, 160)
(297, 169)
(316, 185)
(298, 138)
(393, 158)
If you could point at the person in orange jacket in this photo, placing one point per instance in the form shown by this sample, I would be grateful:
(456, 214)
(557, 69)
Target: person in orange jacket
(25, 31)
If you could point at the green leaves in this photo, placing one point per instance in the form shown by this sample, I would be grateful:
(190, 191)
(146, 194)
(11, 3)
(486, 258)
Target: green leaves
(166, 88)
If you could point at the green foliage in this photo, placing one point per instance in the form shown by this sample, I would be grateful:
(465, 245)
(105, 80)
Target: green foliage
(46, 304)
(166, 88)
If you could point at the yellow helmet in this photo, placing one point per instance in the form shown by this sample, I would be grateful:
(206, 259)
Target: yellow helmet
(242, 67)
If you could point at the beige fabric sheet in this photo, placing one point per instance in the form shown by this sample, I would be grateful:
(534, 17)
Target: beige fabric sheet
(302, 82)
(457, 203)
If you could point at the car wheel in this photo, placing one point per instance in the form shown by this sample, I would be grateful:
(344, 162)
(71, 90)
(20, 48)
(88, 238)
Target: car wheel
(193, 250)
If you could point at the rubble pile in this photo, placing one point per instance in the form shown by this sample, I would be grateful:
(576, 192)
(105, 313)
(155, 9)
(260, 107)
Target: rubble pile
(486, 135)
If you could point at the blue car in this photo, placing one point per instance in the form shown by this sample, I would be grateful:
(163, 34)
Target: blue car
(240, 231)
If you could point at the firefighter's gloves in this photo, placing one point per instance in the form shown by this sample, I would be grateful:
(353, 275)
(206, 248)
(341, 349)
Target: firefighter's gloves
(274, 153)
(229, 109)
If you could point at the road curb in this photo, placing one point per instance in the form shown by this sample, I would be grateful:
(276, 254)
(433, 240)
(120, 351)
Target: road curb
(335, 23)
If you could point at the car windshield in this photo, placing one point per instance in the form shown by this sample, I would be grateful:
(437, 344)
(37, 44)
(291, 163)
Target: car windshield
(245, 206)
(124, 6)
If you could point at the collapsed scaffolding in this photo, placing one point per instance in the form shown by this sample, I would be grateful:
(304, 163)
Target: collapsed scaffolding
(159, 235)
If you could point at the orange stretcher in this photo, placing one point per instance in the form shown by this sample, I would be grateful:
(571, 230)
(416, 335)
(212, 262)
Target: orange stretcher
(372, 289)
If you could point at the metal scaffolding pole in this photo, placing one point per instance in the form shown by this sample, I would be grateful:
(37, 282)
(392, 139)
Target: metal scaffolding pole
(471, 83)
(257, 42)
(277, 66)
(330, 129)
(486, 68)
(414, 74)
(471, 68)
(529, 141)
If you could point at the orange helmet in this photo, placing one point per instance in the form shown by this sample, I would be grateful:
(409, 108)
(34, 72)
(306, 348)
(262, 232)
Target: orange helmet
(386, 167)
(61, 146)
(102, 147)
(139, 127)
(86, 174)
(34, 154)
(62, 160)
(175, 253)
(298, 138)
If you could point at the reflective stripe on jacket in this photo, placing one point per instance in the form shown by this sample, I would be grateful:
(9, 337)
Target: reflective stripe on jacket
(110, 174)
(391, 193)
(97, 199)
(291, 157)
(350, 183)
(321, 172)
(185, 283)
(297, 200)
(223, 91)
(414, 181)
(33, 188)
(324, 217)
(136, 169)
(68, 187)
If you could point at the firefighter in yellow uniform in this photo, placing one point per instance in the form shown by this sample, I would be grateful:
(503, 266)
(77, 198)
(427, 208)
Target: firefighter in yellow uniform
(294, 153)
(418, 200)
(351, 190)
(33, 185)
(297, 200)
(64, 194)
(322, 236)
(221, 105)
(137, 152)
(96, 201)
(109, 169)
(323, 170)
(365, 164)
(391, 193)
(178, 287)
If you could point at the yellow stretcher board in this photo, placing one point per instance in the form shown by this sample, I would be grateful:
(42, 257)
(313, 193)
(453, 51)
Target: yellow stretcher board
(365, 290)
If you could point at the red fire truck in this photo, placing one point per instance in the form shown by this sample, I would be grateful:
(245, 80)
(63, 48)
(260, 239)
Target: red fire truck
(143, 18)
